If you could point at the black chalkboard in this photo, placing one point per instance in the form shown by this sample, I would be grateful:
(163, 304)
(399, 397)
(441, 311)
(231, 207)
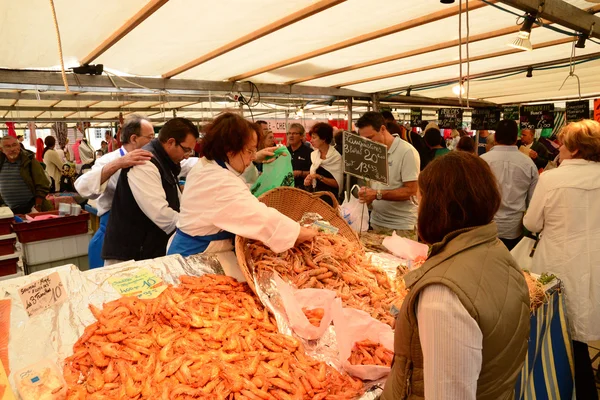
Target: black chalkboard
(578, 110)
(364, 158)
(416, 117)
(539, 116)
(450, 118)
(485, 118)
(511, 112)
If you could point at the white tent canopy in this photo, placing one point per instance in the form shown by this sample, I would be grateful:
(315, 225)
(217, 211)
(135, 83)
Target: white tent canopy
(305, 46)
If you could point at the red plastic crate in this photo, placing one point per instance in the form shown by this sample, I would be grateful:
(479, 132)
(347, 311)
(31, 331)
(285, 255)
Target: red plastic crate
(8, 265)
(35, 231)
(6, 226)
(7, 243)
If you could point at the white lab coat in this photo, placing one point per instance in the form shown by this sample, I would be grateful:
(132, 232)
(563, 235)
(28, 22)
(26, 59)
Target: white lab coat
(566, 208)
(217, 199)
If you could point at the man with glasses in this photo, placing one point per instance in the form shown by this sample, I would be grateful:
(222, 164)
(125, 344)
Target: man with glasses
(145, 208)
(300, 154)
(101, 181)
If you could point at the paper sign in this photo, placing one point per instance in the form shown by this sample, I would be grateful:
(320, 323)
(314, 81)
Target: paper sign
(42, 294)
(144, 285)
(597, 110)
(450, 118)
(364, 158)
(511, 112)
(539, 116)
(577, 110)
(416, 117)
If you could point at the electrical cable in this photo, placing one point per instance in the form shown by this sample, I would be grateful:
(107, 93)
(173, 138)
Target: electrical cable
(60, 52)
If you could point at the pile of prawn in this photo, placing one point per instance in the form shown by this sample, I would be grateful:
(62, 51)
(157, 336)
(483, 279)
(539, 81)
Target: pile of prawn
(206, 338)
(335, 263)
(537, 296)
(367, 352)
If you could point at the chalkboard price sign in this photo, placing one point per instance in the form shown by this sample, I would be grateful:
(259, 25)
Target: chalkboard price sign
(540, 116)
(364, 158)
(485, 118)
(450, 118)
(416, 117)
(578, 110)
(511, 112)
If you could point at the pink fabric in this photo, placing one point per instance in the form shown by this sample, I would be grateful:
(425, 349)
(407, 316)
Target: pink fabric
(11, 129)
(28, 217)
(76, 151)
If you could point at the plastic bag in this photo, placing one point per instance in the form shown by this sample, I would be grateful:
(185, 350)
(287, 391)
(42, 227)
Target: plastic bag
(275, 174)
(355, 213)
(523, 253)
(294, 300)
(352, 326)
(405, 248)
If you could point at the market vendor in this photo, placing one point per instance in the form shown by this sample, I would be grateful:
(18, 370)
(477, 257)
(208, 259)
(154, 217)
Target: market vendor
(217, 204)
(463, 329)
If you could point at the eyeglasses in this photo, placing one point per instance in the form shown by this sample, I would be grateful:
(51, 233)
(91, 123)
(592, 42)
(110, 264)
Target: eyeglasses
(294, 133)
(186, 150)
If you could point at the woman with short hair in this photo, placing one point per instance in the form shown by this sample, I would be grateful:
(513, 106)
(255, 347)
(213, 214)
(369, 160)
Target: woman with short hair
(53, 162)
(326, 170)
(463, 328)
(566, 208)
(466, 143)
(217, 204)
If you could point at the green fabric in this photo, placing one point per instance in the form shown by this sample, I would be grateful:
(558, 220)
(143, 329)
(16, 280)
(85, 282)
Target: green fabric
(441, 152)
(275, 174)
(34, 176)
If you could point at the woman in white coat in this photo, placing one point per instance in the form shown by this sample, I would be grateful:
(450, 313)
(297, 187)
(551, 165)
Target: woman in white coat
(566, 209)
(54, 163)
(217, 204)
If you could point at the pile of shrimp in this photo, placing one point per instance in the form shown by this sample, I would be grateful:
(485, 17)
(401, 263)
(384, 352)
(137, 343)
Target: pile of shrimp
(367, 352)
(206, 338)
(335, 263)
(537, 296)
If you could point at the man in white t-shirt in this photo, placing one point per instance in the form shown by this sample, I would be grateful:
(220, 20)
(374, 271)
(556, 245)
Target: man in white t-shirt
(393, 205)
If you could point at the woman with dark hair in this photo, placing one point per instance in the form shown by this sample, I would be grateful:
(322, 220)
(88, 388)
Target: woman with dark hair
(466, 143)
(53, 162)
(433, 140)
(326, 171)
(462, 330)
(217, 204)
(566, 208)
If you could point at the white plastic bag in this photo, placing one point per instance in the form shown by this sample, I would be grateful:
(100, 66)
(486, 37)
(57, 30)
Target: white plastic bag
(353, 326)
(355, 212)
(405, 248)
(523, 254)
(294, 300)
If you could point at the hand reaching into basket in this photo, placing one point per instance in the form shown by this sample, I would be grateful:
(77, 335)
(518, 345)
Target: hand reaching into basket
(306, 234)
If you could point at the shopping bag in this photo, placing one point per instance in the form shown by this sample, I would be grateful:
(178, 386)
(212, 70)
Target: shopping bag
(523, 252)
(294, 300)
(275, 174)
(355, 213)
(353, 326)
(405, 248)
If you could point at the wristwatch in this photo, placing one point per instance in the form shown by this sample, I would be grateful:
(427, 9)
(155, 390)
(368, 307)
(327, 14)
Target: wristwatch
(379, 195)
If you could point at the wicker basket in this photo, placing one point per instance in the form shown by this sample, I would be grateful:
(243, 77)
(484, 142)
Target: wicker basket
(294, 203)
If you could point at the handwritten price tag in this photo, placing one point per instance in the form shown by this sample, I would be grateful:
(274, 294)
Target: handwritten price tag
(143, 285)
(42, 294)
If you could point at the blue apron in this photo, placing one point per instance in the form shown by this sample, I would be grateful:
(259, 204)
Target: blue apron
(95, 247)
(187, 245)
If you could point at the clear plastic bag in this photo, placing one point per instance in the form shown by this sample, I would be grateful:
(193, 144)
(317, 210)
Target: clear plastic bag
(355, 213)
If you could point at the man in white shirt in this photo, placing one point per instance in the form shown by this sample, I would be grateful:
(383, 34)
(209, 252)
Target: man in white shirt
(100, 183)
(517, 177)
(393, 209)
(145, 208)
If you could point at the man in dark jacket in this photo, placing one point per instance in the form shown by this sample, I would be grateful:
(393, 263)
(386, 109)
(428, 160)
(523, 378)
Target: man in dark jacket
(23, 182)
(534, 149)
(145, 208)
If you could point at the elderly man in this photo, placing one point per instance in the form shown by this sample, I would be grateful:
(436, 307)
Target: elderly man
(23, 182)
(534, 149)
(145, 208)
(101, 182)
(300, 154)
(393, 209)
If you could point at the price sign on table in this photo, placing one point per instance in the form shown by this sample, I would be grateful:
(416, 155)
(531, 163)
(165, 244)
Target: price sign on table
(578, 110)
(44, 293)
(416, 117)
(450, 118)
(539, 116)
(485, 118)
(364, 158)
(144, 284)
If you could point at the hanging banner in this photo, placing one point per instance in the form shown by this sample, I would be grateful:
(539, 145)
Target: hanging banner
(450, 118)
(511, 112)
(539, 116)
(597, 110)
(485, 118)
(416, 117)
(578, 110)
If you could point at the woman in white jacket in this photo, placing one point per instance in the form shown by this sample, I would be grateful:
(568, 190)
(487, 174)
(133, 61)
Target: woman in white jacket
(217, 204)
(566, 209)
(53, 162)
(326, 170)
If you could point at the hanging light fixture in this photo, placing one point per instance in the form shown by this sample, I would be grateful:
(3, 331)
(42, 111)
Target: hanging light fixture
(523, 42)
(447, 1)
(459, 89)
(529, 72)
(329, 117)
(314, 117)
(581, 41)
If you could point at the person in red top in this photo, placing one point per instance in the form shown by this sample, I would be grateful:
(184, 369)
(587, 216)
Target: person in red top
(112, 142)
